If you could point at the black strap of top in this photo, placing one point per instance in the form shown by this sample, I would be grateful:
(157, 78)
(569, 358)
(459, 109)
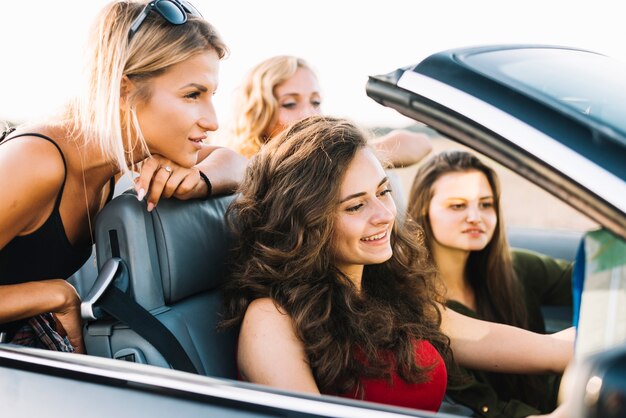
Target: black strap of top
(4, 139)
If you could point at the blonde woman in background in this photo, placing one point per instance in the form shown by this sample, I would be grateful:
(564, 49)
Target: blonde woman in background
(152, 69)
(284, 89)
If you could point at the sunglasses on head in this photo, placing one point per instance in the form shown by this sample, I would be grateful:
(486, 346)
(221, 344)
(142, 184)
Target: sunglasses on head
(173, 11)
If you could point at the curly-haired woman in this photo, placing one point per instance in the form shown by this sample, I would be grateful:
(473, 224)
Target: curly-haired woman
(336, 296)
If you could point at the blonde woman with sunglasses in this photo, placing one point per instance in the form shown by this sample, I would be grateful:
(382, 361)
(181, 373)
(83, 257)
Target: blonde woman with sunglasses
(146, 105)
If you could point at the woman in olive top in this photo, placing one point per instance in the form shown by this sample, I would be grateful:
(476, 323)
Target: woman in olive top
(456, 200)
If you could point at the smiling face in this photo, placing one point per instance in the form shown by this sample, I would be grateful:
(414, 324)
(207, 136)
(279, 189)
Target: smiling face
(175, 118)
(462, 213)
(364, 217)
(298, 97)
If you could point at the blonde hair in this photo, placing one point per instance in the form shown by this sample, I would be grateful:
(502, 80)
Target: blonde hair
(256, 104)
(97, 112)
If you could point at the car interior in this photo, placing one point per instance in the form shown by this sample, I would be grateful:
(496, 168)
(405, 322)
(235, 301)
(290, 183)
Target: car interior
(172, 262)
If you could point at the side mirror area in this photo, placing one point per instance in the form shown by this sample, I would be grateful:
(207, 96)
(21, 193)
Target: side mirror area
(599, 386)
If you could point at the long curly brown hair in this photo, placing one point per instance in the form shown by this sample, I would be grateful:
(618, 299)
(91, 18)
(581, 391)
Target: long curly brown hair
(284, 219)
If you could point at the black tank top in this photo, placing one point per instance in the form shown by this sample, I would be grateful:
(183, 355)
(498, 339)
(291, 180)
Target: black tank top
(46, 253)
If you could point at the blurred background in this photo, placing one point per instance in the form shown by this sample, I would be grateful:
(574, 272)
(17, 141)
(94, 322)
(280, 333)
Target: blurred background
(345, 41)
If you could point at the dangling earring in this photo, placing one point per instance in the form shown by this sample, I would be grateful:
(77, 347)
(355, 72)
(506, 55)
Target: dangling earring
(132, 137)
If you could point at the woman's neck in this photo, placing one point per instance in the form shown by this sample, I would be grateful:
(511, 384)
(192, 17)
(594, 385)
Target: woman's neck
(93, 162)
(451, 266)
(83, 156)
(354, 273)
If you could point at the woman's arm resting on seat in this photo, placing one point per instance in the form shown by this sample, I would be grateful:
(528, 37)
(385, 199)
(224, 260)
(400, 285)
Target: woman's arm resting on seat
(224, 167)
(20, 301)
(501, 348)
(269, 353)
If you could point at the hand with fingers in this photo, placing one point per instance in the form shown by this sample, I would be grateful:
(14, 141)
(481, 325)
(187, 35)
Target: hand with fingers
(163, 178)
(57, 296)
(69, 322)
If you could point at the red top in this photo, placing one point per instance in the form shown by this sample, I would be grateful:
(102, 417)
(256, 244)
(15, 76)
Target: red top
(426, 396)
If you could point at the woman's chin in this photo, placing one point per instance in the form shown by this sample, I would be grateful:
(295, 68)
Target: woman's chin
(379, 259)
(186, 161)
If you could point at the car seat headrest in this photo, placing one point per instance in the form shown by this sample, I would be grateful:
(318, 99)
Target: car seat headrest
(192, 242)
(177, 250)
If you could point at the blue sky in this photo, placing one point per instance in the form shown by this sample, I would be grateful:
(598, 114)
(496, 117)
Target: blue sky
(344, 40)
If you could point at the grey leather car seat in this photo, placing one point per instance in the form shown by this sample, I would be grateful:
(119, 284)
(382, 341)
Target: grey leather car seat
(175, 261)
(84, 278)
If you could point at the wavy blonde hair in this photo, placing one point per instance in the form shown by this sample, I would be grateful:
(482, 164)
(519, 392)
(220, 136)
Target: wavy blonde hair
(97, 113)
(256, 104)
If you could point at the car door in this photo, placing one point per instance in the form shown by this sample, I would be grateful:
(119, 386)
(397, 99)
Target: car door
(36, 382)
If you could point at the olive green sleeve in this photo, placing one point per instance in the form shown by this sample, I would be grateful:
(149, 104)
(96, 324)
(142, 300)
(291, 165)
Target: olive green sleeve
(475, 391)
(549, 279)
(483, 400)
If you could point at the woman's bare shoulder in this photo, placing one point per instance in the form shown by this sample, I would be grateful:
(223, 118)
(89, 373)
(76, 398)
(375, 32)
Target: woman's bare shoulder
(32, 164)
(31, 175)
(265, 309)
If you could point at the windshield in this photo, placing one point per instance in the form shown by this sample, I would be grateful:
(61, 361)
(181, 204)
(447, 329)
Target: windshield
(592, 85)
